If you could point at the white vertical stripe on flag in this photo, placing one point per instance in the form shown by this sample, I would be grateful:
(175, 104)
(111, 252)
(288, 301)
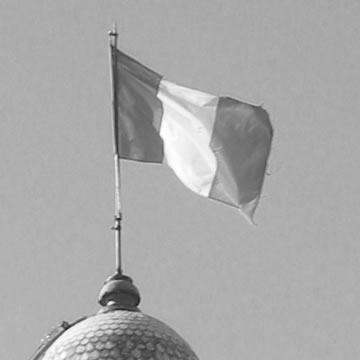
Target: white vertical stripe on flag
(186, 129)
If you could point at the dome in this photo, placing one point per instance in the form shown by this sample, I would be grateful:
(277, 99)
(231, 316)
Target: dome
(120, 334)
(119, 331)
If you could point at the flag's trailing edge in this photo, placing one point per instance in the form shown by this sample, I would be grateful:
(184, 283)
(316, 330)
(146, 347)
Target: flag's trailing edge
(217, 146)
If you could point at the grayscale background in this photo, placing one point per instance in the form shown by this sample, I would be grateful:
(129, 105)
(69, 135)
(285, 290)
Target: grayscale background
(287, 289)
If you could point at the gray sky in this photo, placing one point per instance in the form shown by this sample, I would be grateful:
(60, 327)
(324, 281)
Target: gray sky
(288, 289)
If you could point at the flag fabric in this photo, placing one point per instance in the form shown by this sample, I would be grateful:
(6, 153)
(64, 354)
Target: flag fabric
(217, 146)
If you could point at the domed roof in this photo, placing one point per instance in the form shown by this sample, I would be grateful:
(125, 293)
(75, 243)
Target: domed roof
(119, 331)
(120, 334)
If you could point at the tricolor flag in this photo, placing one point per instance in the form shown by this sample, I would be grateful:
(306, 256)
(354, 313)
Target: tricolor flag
(217, 146)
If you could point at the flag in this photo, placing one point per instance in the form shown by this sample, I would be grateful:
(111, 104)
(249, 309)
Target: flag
(217, 146)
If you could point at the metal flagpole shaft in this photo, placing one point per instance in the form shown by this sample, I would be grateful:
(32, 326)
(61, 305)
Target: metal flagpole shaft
(118, 213)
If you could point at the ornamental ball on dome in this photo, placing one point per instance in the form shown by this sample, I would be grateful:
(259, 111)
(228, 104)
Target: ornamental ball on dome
(119, 331)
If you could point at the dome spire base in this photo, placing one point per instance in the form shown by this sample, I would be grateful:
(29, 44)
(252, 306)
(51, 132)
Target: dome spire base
(119, 293)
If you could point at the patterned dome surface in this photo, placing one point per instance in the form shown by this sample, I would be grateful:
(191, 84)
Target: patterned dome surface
(120, 335)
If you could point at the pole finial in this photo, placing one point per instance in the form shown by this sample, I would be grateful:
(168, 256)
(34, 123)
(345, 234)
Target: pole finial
(113, 34)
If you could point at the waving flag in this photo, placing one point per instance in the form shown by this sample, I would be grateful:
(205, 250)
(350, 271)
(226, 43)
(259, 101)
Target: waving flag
(217, 146)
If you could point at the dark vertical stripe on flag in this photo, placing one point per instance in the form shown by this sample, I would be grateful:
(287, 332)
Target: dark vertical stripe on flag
(140, 111)
(241, 142)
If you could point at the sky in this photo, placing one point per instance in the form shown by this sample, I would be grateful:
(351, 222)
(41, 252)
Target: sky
(285, 289)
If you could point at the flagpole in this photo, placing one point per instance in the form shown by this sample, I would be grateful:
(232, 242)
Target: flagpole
(113, 35)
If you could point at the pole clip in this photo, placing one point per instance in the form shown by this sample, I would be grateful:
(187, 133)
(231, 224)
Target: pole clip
(117, 225)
